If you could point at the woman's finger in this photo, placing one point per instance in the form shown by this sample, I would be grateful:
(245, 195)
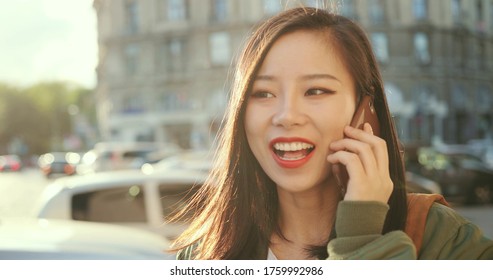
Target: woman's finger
(363, 150)
(378, 145)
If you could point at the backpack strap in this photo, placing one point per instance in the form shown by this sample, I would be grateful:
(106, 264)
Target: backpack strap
(418, 206)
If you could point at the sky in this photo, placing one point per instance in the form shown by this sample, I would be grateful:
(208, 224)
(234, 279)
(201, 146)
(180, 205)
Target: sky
(48, 40)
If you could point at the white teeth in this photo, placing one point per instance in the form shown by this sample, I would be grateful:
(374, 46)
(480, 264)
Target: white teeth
(292, 146)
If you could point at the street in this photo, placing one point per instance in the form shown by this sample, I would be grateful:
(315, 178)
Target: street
(20, 192)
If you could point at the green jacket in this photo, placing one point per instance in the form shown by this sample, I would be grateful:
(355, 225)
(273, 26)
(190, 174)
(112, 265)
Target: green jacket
(359, 226)
(447, 235)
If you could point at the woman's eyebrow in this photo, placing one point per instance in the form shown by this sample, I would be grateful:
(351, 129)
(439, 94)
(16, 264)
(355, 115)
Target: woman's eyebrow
(305, 77)
(319, 76)
(265, 78)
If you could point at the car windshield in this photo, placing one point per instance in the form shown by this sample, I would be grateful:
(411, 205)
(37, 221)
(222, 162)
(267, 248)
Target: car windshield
(115, 205)
(174, 197)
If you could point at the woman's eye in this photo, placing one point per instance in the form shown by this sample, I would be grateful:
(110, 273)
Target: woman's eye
(262, 94)
(318, 91)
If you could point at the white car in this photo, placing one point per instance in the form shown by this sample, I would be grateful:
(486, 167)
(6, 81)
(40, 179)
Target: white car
(108, 156)
(43, 239)
(201, 160)
(129, 198)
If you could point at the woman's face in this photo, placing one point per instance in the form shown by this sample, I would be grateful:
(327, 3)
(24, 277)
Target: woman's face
(301, 99)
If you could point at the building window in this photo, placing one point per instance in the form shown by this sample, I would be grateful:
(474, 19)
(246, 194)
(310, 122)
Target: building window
(176, 54)
(422, 48)
(272, 7)
(132, 104)
(424, 95)
(131, 17)
(484, 103)
(482, 56)
(132, 53)
(377, 11)
(171, 56)
(457, 11)
(162, 57)
(348, 9)
(459, 48)
(424, 126)
(479, 10)
(420, 9)
(380, 46)
(491, 15)
(174, 101)
(459, 97)
(484, 100)
(480, 24)
(219, 48)
(177, 10)
(219, 10)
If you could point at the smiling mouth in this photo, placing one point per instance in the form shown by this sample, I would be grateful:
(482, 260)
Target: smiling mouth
(291, 151)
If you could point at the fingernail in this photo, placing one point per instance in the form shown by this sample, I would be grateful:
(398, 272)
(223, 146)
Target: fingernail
(369, 127)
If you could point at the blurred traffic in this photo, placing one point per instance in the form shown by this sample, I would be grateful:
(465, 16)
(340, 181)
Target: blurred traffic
(116, 192)
(60, 163)
(10, 163)
(463, 172)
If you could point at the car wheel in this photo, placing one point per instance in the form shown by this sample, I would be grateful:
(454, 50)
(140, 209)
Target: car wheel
(481, 193)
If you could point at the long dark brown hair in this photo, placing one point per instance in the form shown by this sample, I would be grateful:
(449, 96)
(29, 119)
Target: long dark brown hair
(236, 211)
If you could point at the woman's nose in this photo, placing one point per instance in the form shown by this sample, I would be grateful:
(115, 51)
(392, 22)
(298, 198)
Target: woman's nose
(289, 113)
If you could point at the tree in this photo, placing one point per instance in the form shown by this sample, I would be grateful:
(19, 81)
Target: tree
(38, 116)
(21, 120)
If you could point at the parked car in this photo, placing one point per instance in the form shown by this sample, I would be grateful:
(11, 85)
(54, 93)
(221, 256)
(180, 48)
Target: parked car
(463, 177)
(10, 163)
(129, 198)
(58, 163)
(482, 148)
(190, 160)
(416, 183)
(108, 156)
(45, 239)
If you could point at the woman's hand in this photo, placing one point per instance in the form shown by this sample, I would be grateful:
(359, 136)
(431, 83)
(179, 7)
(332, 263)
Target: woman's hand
(365, 157)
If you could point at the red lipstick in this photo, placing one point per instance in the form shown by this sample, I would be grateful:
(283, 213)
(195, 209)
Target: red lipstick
(297, 158)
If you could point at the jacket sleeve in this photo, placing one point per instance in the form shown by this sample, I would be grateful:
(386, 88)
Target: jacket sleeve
(449, 236)
(358, 234)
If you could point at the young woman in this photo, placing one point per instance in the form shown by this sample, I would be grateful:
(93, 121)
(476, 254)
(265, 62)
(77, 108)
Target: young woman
(276, 193)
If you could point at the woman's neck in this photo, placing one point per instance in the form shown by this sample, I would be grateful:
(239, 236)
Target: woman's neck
(305, 219)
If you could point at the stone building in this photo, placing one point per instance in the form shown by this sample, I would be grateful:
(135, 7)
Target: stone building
(164, 64)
